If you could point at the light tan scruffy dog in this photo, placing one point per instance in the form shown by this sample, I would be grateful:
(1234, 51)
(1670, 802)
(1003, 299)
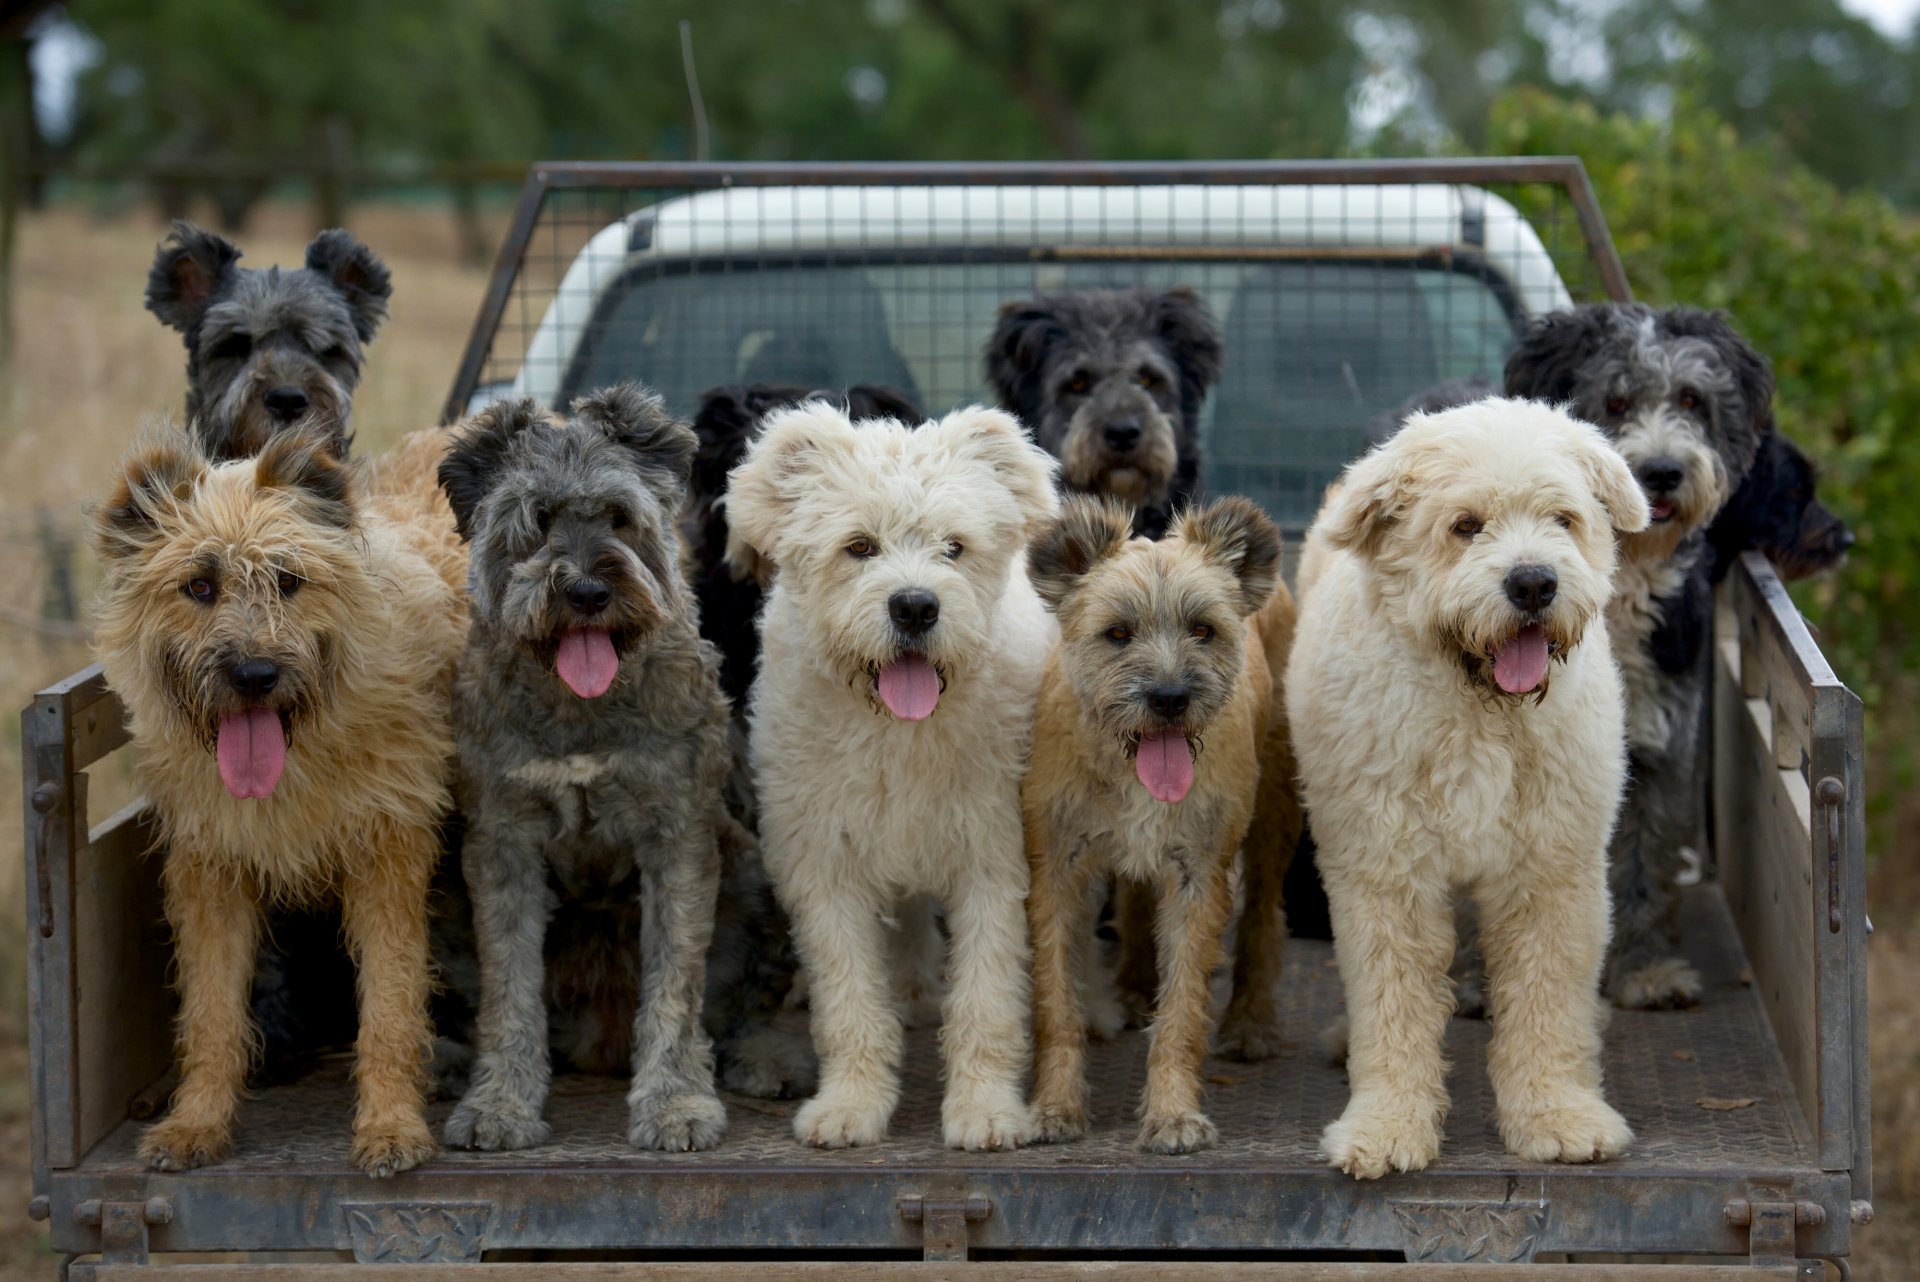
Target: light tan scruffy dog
(283, 633)
(1160, 650)
(901, 647)
(1458, 718)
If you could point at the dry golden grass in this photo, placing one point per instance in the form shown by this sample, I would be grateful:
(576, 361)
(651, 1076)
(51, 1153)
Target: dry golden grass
(91, 363)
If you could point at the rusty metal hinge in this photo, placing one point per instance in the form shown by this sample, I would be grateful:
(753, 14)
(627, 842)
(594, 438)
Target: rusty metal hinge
(1770, 1227)
(123, 1226)
(943, 1224)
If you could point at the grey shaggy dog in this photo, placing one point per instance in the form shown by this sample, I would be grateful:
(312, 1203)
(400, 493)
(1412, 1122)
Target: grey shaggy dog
(1687, 402)
(266, 349)
(592, 737)
(1111, 383)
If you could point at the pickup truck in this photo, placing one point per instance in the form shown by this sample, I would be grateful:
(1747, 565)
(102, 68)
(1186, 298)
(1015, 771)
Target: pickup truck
(1341, 288)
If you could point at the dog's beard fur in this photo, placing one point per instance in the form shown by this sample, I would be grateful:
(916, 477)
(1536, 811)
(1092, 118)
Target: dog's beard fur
(235, 421)
(533, 608)
(1702, 493)
(1143, 476)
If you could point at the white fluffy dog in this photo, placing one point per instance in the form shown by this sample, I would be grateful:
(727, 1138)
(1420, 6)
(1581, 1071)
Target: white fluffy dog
(902, 646)
(1458, 719)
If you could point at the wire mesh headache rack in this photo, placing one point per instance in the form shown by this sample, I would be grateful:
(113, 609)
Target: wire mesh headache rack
(1341, 287)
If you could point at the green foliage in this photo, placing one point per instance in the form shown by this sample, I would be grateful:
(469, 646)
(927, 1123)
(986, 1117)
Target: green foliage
(1827, 283)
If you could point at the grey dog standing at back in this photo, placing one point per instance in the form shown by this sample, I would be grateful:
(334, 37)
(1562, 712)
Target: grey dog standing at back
(593, 748)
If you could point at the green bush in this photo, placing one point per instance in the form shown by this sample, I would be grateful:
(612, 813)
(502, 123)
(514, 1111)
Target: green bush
(1827, 284)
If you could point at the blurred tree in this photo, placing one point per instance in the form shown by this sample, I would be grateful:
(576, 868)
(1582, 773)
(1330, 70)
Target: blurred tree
(17, 135)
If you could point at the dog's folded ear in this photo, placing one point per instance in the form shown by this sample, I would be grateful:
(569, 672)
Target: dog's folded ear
(1016, 353)
(995, 438)
(637, 421)
(157, 475)
(308, 463)
(1186, 325)
(187, 271)
(357, 273)
(795, 445)
(1546, 363)
(1367, 499)
(1088, 530)
(1235, 533)
(1612, 481)
(479, 445)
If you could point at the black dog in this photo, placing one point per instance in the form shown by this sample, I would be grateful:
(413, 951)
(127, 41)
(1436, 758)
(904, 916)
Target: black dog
(266, 349)
(1111, 383)
(1776, 511)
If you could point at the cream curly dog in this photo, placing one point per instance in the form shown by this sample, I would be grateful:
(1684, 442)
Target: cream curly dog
(901, 647)
(1457, 713)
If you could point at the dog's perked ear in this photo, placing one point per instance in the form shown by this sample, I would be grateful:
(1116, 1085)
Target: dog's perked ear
(1752, 375)
(876, 400)
(1017, 354)
(1089, 529)
(637, 421)
(1233, 532)
(157, 475)
(1185, 324)
(1546, 364)
(187, 270)
(1367, 499)
(795, 445)
(466, 473)
(309, 464)
(1613, 483)
(357, 273)
(996, 438)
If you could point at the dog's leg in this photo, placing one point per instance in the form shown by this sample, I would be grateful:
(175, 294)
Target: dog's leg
(1658, 816)
(1194, 904)
(216, 930)
(856, 1023)
(671, 1104)
(984, 1027)
(507, 877)
(1061, 915)
(1137, 978)
(1393, 937)
(384, 903)
(1545, 940)
(1250, 1029)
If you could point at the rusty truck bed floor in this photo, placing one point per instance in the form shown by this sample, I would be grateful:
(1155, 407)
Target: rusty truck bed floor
(1660, 1066)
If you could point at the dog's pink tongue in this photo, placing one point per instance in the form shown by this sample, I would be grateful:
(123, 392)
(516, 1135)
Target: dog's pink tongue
(1165, 764)
(1520, 665)
(586, 661)
(910, 687)
(252, 751)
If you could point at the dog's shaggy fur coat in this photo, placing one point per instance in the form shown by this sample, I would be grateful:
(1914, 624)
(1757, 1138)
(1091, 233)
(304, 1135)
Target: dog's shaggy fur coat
(286, 584)
(1160, 645)
(1459, 579)
(898, 556)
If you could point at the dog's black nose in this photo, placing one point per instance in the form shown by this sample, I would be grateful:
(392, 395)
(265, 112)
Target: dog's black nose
(1167, 701)
(1661, 475)
(913, 610)
(286, 403)
(1123, 434)
(589, 596)
(1531, 587)
(254, 678)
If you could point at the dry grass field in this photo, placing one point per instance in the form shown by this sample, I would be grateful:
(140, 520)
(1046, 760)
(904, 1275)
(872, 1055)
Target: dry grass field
(91, 364)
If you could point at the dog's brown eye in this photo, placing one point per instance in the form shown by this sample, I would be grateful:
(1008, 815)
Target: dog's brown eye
(1563, 519)
(290, 583)
(1616, 405)
(1468, 526)
(1147, 378)
(203, 590)
(234, 347)
(617, 519)
(1119, 634)
(1201, 632)
(954, 549)
(542, 521)
(1078, 384)
(1688, 398)
(861, 547)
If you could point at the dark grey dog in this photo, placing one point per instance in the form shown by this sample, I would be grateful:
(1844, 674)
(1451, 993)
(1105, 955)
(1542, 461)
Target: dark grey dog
(593, 749)
(1111, 383)
(268, 348)
(1687, 402)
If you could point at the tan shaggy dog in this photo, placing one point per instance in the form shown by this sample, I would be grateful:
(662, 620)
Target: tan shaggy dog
(283, 634)
(1459, 722)
(1147, 736)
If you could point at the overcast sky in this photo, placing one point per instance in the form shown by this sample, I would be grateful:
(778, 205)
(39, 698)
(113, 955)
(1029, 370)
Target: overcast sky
(1895, 17)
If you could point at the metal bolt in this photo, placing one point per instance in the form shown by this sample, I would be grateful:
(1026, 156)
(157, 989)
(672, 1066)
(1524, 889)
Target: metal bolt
(46, 797)
(1861, 1212)
(87, 1212)
(41, 1208)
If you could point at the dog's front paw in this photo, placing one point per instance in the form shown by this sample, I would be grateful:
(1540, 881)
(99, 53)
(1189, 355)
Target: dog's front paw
(1178, 1133)
(988, 1127)
(834, 1121)
(1370, 1140)
(1581, 1128)
(1058, 1123)
(770, 1063)
(179, 1144)
(1667, 983)
(682, 1123)
(382, 1151)
(1246, 1038)
(483, 1126)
